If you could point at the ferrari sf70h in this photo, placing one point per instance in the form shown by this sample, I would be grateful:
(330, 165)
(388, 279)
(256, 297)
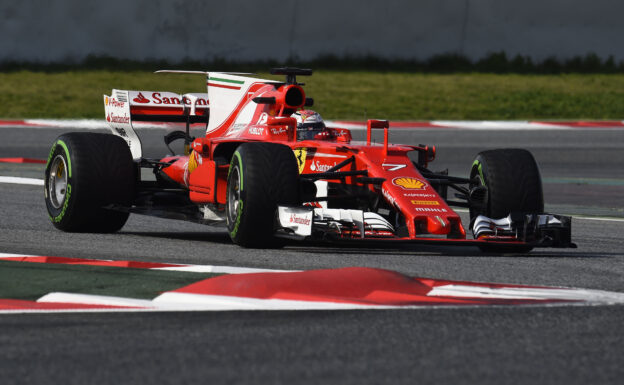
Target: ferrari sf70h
(270, 169)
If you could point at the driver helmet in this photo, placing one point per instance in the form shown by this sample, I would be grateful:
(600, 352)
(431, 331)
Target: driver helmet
(309, 124)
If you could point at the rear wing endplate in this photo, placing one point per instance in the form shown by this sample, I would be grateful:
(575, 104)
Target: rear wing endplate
(123, 108)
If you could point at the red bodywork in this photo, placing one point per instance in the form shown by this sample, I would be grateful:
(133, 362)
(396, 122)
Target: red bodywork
(404, 189)
(375, 179)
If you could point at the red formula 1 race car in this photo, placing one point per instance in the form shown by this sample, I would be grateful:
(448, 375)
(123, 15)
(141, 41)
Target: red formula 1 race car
(269, 168)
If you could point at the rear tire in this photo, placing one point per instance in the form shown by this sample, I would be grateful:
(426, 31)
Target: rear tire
(261, 177)
(85, 173)
(513, 184)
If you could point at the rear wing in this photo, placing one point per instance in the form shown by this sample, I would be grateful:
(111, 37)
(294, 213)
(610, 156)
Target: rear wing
(122, 108)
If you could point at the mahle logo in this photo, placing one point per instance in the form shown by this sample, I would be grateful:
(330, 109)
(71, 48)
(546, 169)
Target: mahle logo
(409, 183)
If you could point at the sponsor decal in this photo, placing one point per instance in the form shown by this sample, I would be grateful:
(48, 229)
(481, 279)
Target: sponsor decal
(112, 102)
(264, 117)
(419, 195)
(158, 99)
(393, 167)
(141, 99)
(255, 130)
(121, 132)
(430, 210)
(171, 99)
(388, 197)
(318, 166)
(200, 101)
(300, 154)
(234, 128)
(277, 131)
(409, 183)
(425, 203)
(112, 118)
(300, 220)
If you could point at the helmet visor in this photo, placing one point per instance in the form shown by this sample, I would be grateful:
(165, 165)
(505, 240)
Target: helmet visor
(309, 130)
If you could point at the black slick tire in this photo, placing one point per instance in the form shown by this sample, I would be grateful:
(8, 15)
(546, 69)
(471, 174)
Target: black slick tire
(261, 177)
(513, 183)
(85, 173)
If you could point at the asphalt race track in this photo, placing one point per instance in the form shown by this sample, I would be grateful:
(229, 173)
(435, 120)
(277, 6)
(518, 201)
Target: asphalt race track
(583, 175)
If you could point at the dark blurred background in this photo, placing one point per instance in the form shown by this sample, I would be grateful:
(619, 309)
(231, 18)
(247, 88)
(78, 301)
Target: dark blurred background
(438, 35)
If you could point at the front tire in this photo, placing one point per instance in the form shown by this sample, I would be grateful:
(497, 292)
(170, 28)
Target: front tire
(513, 184)
(85, 173)
(261, 177)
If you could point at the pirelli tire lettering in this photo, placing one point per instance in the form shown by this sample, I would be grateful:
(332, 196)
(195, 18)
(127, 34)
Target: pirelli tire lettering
(87, 174)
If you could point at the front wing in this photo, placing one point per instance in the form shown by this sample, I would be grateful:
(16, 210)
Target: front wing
(348, 226)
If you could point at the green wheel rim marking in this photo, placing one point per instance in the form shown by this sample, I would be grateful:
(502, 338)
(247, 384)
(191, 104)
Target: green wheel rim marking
(240, 162)
(69, 168)
(240, 201)
(59, 217)
(480, 169)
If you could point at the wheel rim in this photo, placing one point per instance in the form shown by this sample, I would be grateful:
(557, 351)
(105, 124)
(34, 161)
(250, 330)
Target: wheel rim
(233, 194)
(57, 182)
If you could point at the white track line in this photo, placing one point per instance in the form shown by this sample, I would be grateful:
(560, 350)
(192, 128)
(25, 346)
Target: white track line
(19, 180)
(89, 124)
(497, 125)
(220, 269)
(601, 219)
(101, 124)
(568, 294)
(182, 301)
(181, 267)
(91, 299)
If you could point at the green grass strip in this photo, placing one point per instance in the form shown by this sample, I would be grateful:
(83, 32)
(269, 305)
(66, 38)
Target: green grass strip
(30, 281)
(355, 95)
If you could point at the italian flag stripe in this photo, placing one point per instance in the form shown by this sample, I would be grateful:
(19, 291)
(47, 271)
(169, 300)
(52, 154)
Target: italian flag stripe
(223, 86)
(226, 80)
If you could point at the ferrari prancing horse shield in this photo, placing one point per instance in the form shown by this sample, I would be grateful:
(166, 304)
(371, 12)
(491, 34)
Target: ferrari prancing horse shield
(300, 154)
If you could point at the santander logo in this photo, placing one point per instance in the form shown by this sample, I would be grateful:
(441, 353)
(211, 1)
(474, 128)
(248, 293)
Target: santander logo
(168, 98)
(302, 221)
(141, 99)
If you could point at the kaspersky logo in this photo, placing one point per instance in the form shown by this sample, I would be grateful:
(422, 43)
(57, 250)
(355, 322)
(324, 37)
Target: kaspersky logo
(141, 99)
(409, 183)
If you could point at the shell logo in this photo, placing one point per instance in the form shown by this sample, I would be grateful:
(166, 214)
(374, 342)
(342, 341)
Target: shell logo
(409, 183)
